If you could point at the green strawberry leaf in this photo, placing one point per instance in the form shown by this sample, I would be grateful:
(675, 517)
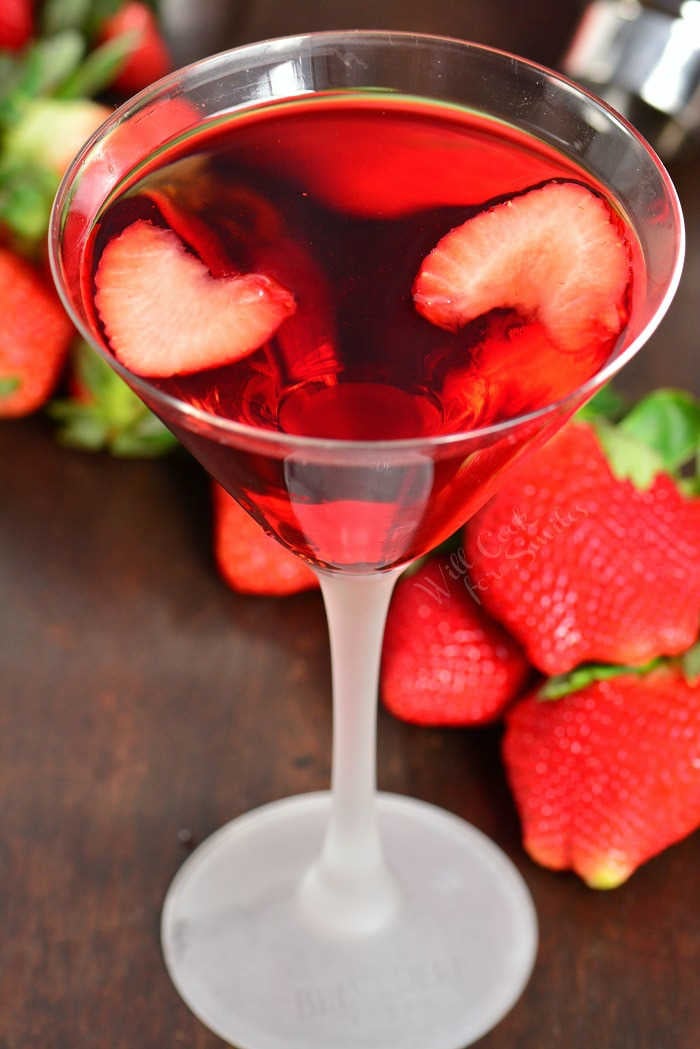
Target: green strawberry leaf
(669, 422)
(8, 385)
(148, 438)
(81, 425)
(690, 663)
(52, 59)
(10, 69)
(585, 675)
(58, 15)
(93, 373)
(12, 90)
(690, 486)
(26, 197)
(99, 69)
(86, 15)
(108, 416)
(86, 427)
(629, 458)
(45, 65)
(100, 11)
(607, 402)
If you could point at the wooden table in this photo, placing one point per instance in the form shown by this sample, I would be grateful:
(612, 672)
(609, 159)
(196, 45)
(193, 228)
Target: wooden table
(143, 705)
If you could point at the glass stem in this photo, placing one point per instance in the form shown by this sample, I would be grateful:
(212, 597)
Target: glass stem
(350, 889)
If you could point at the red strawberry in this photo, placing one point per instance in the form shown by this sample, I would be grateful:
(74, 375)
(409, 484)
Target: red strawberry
(149, 59)
(16, 24)
(34, 337)
(581, 565)
(250, 560)
(608, 776)
(164, 313)
(555, 254)
(445, 661)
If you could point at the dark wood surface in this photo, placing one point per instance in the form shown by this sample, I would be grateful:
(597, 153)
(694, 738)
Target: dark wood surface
(143, 704)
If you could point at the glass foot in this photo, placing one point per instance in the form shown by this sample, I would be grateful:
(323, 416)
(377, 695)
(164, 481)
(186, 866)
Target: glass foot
(450, 962)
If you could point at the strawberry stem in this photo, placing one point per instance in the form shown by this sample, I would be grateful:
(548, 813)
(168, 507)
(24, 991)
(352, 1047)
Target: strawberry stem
(109, 415)
(690, 662)
(99, 69)
(668, 421)
(629, 457)
(588, 673)
(8, 385)
(660, 434)
(580, 677)
(607, 403)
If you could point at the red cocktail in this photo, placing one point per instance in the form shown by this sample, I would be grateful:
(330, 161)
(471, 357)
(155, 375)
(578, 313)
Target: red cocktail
(359, 274)
(333, 205)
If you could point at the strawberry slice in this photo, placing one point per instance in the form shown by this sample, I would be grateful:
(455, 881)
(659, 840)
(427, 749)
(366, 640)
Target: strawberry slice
(164, 313)
(193, 231)
(516, 368)
(556, 254)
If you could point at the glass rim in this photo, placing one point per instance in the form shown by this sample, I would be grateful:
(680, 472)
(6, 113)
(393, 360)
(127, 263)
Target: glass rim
(299, 442)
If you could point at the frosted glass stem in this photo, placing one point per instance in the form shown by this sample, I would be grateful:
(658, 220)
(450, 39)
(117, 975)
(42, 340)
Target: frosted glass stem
(350, 890)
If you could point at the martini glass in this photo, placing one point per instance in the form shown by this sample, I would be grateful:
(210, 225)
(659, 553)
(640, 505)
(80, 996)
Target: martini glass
(353, 918)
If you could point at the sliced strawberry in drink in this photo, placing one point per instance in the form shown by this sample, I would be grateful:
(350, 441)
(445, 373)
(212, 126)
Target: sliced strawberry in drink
(192, 230)
(516, 368)
(556, 254)
(308, 340)
(513, 369)
(195, 202)
(164, 313)
(126, 145)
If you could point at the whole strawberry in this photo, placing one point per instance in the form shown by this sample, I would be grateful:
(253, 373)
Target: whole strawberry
(445, 661)
(16, 24)
(149, 58)
(582, 564)
(248, 559)
(34, 336)
(607, 776)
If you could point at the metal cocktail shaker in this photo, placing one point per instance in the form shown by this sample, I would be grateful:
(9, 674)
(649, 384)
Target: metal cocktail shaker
(644, 59)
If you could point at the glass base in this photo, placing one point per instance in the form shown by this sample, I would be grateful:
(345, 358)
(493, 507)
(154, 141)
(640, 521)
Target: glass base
(449, 963)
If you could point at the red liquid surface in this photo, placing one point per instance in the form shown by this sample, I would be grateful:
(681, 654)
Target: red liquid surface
(340, 200)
